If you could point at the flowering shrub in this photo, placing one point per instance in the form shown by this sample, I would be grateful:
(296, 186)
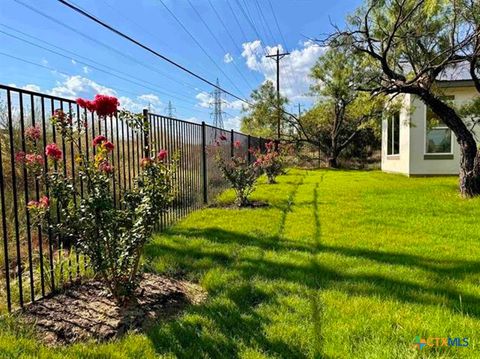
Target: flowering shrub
(112, 238)
(271, 162)
(241, 174)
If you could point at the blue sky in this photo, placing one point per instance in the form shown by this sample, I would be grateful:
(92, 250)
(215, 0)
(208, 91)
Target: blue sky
(84, 59)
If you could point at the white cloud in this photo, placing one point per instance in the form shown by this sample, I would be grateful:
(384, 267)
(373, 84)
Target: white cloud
(44, 62)
(294, 68)
(78, 86)
(193, 119)
(227, 58)
(73, 61)
(232, 123)
(32, 87)
(151, 98)
(86, 69)
(204, 99)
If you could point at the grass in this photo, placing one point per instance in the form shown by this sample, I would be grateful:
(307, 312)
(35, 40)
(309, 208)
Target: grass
(343, 264)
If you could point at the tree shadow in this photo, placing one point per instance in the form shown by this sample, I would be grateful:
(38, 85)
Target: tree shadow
(241, 323)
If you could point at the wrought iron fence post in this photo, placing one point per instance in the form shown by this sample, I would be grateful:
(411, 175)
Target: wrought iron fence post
(249, 154)
(204, 163)
(232, 138)
(146, 133)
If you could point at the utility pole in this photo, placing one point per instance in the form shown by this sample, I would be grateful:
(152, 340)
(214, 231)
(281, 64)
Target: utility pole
(278, 56)
(170, 109)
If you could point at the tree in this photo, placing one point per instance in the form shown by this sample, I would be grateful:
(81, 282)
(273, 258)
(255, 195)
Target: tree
(410, 43)
(262, 116)
(341, 112)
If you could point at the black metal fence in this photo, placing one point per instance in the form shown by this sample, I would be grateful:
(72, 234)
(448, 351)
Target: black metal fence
(34, 263)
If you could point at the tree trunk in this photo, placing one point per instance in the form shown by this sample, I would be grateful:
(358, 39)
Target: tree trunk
(469, 162)
(332, 162)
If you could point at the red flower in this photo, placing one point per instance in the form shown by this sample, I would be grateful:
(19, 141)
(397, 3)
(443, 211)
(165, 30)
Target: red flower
(108, 146)
(20, 157)
(269, 145)
(32, 133)
(53, 152)
(223, 137)
(106, 105)
(162, 155)
(237, 144)
(99, 140)
(89, 105)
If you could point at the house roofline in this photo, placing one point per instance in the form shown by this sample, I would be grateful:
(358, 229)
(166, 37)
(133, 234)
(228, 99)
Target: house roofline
(455, 83)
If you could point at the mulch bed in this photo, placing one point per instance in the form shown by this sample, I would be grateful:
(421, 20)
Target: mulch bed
(252, 204)
(86, 311)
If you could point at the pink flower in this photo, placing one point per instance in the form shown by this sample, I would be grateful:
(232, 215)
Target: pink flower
(144, 162)
(20, 157)
(32, 133)
(269, 145)
(106, 167)
(237, 144)
(222, 137)
(32, 204)
(59, 114)
(106, 105)
(108, 146)
(44, 202)
(99, 140)
(162, 155)
(52, 151)
(33, 159)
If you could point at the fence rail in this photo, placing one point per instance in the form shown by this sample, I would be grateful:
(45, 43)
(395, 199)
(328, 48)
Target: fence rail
(34, 263)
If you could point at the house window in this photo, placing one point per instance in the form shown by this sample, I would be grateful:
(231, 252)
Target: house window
(393, 134)
(438, 135)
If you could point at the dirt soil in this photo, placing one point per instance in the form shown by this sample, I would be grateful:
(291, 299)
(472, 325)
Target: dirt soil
(86, 311)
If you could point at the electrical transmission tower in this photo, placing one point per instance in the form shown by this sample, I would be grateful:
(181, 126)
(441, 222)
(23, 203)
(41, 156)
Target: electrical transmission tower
(170, 109)
(217, 113)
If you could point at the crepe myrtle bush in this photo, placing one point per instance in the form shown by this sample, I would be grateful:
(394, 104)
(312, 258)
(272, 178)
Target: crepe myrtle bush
(240, 174)
(271, 161)
(111, 237)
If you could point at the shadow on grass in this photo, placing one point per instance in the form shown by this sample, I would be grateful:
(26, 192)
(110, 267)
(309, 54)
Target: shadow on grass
(231, 310)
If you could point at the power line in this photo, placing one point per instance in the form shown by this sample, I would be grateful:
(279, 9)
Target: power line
(225, 27)
(264, 23)
(287, 76)
(196, 42)
(121, 34)
(278, 26)
(140, 83)
(218, 43)
(131, 58)
(138, 25)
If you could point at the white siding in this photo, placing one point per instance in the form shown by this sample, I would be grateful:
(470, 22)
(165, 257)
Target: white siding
(411, 160)
(399, 163)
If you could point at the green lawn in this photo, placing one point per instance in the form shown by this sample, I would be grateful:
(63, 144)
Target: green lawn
(343, 264)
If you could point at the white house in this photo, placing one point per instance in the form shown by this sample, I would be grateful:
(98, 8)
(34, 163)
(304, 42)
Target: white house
(416, 143)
